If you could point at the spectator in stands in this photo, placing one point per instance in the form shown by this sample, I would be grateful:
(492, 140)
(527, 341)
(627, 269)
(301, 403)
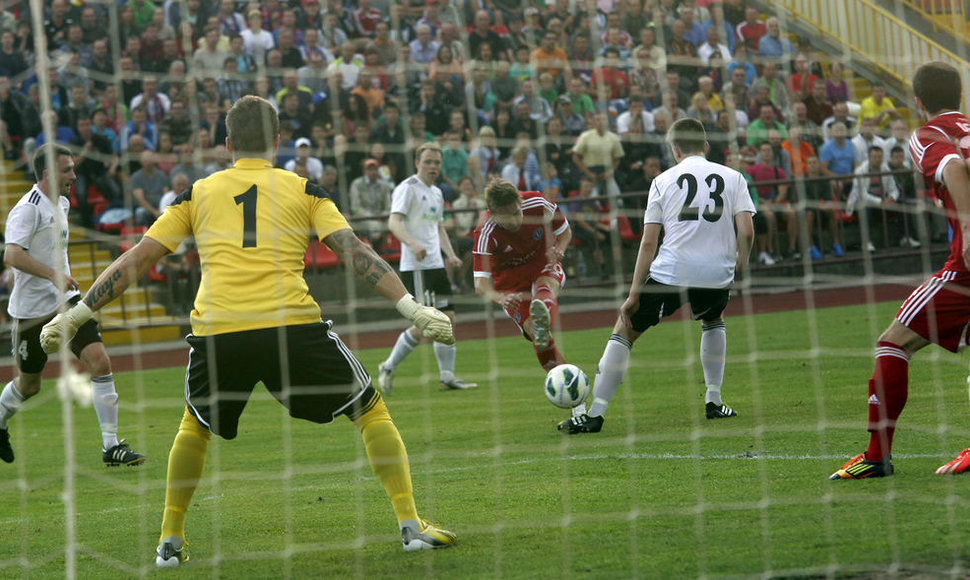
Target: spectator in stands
(188, 163)
(349, 65)
(208, 58)
(773, 200)
(899, 138)
(712, 45)
(810, 132)
(866, 139)
(256, 41)
(757, 131)
(702, 111)
(838, 157)
(873, 187)
(586, 220)
(879, 107)
(539, 109)
(12, 60)
(609, 82)
(139, 125)
(366, 18)
(751, 30)
(303, 157)
(644, 75)
(96, 166)
(774, 47)
(178, 124)
(776, 87)
(515, 171)
(423, 48)
(740, 60)
(597, 153)
(634, 115)
(549, 58)
(738, 90)
(800, 83)
(798, 151)
(582, 102)
(332, 35)
(669, 108)
(817, 103)
(155, 104)
(522, 121)
(147, 187)
(819, 198)
(370, 196)
(681, 54)
(454, 165)
(840, 114)
(835, 86)
(908, 198)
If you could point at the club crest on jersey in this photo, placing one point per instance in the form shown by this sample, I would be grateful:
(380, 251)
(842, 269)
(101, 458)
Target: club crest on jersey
(537, 234)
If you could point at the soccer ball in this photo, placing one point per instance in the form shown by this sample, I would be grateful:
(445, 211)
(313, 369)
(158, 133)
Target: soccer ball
(566, 386)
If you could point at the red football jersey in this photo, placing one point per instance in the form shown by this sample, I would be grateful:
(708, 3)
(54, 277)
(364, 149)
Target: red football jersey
(516, 258)
(943, 138)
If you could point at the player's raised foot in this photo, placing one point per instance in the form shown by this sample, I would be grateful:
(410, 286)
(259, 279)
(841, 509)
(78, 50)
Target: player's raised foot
(385, 378)
(429, 537)
(715, 411)
(6, 451)
(121, 454)
(859, 468)
(456, 384)
(540, 323)
(171, 552)
(581, 424)
(955, 467)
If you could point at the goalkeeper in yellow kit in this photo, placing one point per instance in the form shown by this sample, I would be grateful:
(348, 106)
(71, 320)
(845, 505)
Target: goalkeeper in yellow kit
(254, 319)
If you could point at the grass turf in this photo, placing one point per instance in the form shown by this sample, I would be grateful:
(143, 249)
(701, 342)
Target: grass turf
(661, 492)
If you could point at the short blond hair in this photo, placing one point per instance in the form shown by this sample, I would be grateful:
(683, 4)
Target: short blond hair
(501, 193)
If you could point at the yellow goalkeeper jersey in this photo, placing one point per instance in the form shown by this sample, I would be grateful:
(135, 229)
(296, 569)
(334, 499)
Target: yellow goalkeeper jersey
(251, 225)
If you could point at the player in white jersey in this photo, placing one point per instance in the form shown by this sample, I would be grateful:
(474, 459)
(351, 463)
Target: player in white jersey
(36, 249)
(417, 219)
(698, 204)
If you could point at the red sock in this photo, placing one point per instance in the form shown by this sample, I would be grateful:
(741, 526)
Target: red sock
(550, 357)
(544, 293)
(888, 390)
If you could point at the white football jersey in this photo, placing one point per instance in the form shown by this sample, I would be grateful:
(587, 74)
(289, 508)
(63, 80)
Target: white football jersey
(423, 210)
(32, 225)
(696, 201)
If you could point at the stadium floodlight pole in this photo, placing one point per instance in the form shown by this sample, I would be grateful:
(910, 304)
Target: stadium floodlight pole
(42, 68)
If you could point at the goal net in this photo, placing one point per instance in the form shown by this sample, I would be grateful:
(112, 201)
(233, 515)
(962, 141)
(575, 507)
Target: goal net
(811, 100)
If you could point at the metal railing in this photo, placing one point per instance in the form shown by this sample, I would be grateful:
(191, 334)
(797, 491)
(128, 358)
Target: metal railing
(894, 48)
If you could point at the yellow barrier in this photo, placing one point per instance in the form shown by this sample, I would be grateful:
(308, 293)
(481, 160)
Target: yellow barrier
(862, 27)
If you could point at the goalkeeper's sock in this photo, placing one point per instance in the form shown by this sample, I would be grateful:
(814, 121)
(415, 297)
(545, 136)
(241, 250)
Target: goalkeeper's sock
(713, 351)
(609, 373)
(445, 353)
(389, 459)
(185, 463)
(402, 348)
(10, 402)
(888, 390)
(106, 407)
(550, 357)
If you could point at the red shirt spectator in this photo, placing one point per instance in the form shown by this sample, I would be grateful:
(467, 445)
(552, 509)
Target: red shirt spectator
(751, 30)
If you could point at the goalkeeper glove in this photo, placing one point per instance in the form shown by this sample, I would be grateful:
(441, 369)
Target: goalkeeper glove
(432, 322)
(64, 326)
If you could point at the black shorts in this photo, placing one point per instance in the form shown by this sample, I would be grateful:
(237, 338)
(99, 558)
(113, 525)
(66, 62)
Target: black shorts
(305, 367)
(760, 224)
(435, 288)
(659, 301)
(25, 337)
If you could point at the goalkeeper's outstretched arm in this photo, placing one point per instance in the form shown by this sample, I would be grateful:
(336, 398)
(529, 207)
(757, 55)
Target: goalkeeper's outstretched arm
(111, 284)
(377, 273)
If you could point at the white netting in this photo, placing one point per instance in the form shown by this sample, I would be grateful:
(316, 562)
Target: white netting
(661, 491)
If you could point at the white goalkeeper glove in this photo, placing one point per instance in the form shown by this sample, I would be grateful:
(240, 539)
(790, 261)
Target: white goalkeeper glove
(63, 327)
(432, 322)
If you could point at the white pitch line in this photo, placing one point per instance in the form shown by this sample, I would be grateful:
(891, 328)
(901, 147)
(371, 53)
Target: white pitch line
(551, 459)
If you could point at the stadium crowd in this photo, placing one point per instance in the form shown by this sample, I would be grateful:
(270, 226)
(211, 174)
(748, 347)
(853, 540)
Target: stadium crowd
(568, 97)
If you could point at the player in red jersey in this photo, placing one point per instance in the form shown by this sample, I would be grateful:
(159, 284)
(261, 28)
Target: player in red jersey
(519, 243)
(938, 312)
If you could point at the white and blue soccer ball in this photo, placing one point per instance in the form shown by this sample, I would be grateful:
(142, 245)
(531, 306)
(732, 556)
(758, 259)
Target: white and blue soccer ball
(566, 386)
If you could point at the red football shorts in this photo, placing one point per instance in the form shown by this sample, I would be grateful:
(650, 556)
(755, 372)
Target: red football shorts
(939, 310)
(520, 314)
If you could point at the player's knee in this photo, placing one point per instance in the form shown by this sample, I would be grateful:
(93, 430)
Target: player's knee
(191, 425)
(377, 412)
(96, 360)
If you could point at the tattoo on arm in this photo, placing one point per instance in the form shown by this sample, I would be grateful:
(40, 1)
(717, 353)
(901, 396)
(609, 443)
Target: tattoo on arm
(104, 289)
(366, 264)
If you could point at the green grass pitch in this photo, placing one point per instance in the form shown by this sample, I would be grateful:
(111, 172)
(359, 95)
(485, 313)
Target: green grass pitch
(660, 493)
